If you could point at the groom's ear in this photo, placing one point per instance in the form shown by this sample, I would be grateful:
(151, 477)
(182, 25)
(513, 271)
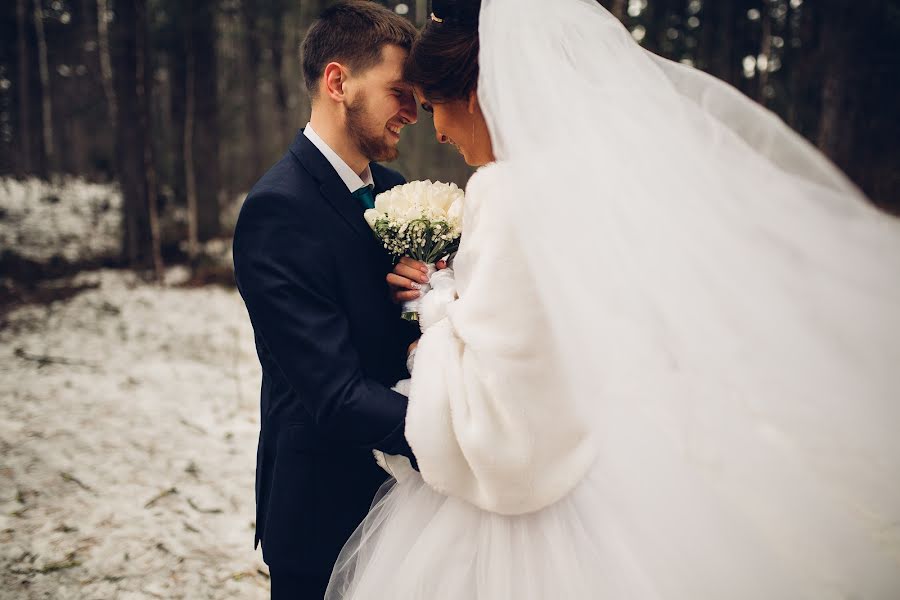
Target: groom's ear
(473, 101)
(335, 77)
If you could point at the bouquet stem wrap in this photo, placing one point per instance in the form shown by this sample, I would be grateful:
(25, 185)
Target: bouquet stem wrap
(411, 307)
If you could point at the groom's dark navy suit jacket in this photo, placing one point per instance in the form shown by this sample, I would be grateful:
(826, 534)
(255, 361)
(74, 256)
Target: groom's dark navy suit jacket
(331, 344)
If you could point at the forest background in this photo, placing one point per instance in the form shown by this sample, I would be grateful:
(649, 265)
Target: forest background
(185, 103)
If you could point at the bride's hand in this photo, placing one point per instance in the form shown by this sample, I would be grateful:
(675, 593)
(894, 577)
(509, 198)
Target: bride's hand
(408, 277)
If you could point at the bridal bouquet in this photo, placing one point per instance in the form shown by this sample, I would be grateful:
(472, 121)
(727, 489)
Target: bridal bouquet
(421, 220)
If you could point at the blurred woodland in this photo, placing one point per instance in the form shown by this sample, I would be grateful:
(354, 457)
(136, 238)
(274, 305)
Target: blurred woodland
(185, 103)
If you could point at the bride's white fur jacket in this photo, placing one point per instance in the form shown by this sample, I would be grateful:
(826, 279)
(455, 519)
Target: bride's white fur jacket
(491, 419)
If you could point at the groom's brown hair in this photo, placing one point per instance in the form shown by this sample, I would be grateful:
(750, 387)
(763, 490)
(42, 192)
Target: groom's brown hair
(353, 33)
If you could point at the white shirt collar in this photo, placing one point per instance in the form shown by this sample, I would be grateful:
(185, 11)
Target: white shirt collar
(349, 177)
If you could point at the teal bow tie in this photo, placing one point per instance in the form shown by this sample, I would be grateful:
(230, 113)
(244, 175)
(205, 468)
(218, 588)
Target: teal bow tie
(365, 196)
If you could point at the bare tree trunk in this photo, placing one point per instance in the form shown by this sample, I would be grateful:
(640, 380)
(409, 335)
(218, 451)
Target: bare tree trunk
(188, 153)
(281, 96)
(25, 165)
(77, 150)
(106, 60)
(177, 68)
(835, 40)
(798, 60)
(725, 60)
(131, 155)
(206, 117)
(857, 124)
(144, 92)
(134, 225)
(249, 16)
(87, 25)
(46, 105)
(659, 13)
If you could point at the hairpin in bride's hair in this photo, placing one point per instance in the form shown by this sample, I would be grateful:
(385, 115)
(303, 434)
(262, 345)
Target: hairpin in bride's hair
(459, 12)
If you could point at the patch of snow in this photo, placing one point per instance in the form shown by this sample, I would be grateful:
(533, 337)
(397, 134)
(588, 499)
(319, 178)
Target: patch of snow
(71, 220)
(128, 425)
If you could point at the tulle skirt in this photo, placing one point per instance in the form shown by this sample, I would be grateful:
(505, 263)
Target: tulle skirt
(419, 544)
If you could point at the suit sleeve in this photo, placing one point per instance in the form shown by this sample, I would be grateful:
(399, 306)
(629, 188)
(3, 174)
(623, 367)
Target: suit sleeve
(286, 277)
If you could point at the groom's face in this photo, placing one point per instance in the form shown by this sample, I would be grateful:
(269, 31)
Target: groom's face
(380, 105)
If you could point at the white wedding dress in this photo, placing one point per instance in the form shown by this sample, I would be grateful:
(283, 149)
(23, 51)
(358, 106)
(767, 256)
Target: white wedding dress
(673, 367)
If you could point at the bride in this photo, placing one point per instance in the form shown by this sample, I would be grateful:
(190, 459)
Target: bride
(669, 364)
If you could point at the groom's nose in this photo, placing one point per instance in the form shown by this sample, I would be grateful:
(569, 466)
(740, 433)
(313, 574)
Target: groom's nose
(408, 108)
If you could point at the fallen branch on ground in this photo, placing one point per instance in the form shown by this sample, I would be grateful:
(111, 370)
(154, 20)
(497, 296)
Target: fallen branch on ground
(160, 496)
(208, 511)
(68, 562)
(75, 480)
(44, 359)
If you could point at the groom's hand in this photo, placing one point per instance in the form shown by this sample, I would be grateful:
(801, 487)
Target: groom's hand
(407, 279)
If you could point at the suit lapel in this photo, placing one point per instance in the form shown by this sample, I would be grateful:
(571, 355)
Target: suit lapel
(331, 185)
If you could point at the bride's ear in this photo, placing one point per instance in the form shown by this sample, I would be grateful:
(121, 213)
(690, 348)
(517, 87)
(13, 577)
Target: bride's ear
(473, 101)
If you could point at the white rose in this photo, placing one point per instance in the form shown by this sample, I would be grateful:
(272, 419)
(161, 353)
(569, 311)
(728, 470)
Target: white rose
(393, 203)
(441, 196)
(412, 213)
(371, 216)
(455, 212)
(437, 199)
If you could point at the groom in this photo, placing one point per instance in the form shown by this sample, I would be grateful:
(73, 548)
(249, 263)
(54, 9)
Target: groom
(312, 275)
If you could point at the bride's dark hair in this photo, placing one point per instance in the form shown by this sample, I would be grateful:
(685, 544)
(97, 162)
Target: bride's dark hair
(443, 61)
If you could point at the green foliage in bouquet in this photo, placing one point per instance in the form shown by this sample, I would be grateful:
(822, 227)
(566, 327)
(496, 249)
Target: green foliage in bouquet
(421, 239)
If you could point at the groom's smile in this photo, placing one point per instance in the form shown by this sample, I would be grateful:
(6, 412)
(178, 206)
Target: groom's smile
(395, 129)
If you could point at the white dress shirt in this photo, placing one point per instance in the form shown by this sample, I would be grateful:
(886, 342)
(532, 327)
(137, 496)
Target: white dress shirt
(349, 177)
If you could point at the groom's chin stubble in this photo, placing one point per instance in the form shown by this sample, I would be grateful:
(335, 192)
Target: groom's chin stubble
(376, 149)
(389, 155)
(382, 152)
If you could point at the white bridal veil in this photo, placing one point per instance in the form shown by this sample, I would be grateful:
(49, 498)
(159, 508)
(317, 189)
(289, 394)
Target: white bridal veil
(727, 302)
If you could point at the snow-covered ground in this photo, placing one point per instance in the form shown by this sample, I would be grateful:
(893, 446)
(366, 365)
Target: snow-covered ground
(128, 424)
